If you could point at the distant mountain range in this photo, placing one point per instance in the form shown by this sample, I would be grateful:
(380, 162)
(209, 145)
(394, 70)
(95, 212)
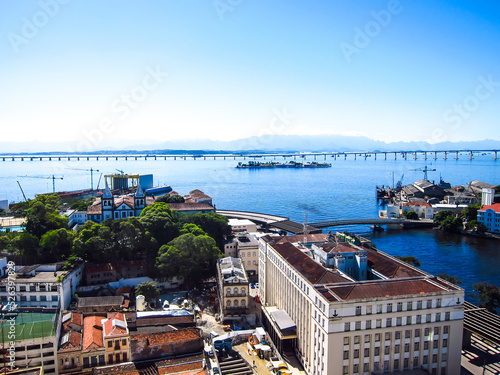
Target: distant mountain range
(280, 143)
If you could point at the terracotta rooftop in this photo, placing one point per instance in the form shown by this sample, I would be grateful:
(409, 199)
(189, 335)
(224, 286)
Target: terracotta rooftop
(92, 333)
(343, 247)
(70, 341)
(115, 325)
(162, 338)
(495, 207)
(185, 369)
(380, 289)
(307, 267)
(390, 267)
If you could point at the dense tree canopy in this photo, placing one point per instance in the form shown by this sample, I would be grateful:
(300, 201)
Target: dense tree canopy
(216, 226)
(161, 222)
(149, 290)
(43, 215)
(167, 198)
(189, 256)
(410, 259)
(452, 279)
(411, 215)
(58, 243)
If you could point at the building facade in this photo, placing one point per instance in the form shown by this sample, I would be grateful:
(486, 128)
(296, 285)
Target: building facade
(233, 288)
(490, 217)
(246, 247)
(398, 318)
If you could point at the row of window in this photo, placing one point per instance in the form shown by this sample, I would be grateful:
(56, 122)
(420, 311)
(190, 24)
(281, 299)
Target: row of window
(398, 321)
(32, 288)
(43, 298)
(409, 306)
(235, 291)
(396, 365)
(397, 335)
(249, 254)
(397, 349)
(235, 303)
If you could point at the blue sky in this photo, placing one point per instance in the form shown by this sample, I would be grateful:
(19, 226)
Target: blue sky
(150, 71)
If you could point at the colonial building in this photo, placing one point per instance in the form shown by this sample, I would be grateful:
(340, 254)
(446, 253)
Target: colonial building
(69, 356)
(319, 305)
(422, 209)
(116, 338)
(233, 288)
(246, 247)
(490, 217)
(93, 351)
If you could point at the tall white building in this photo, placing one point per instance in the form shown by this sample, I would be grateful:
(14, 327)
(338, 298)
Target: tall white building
(490, 217)
(337, 321)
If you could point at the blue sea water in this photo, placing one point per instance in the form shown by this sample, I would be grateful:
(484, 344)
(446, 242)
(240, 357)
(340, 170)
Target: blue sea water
(347, 190)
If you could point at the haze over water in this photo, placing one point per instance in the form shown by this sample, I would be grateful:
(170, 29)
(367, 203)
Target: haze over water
(347, 190)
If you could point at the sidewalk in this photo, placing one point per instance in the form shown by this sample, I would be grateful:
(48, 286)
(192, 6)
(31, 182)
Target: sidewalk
(481, 358)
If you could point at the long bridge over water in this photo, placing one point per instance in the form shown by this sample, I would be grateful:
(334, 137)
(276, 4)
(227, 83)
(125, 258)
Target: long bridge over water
(405, 155)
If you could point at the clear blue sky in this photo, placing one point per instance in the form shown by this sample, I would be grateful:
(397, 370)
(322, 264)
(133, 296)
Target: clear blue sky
(147, 71)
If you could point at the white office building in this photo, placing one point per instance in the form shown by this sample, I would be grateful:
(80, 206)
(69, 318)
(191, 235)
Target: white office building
(370, 314)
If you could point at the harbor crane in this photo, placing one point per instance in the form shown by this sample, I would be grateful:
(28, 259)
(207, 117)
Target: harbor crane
(54, 178)
(425, 170)
(91, 177)
(22, 191)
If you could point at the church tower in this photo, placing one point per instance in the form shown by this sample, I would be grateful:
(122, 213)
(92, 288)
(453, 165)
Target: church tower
(139, 201)
(107, 204)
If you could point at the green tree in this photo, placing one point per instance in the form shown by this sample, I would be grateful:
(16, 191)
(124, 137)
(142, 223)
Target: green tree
(167, 198)
(161, 222)
(411, 215)
(488, 295)
(470, 212)
(440, 216)
(481, 228)
(80, 204)
(43, 215)
(410, 259)
(451, 224)
(58, 243)
(452, 279)
(149, 290)
(188, 256)
(192, 228)
(216, 226)
(94, 243)
(27, 244)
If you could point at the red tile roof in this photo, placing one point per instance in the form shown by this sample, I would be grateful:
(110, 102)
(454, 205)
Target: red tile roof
(380, 289)
(92, 333)
(162, 338)
(390, 267)
(190, 207)
(307, 267)
(112, 327)
(495, 207)
(185, 369)
(73, 341)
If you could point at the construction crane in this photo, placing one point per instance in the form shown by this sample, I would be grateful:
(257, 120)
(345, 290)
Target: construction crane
(91, 177)
(22, 191)
(425, 170)
(54, 178)
(400, 182)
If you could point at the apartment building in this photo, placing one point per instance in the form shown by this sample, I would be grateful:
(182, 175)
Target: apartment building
(338, 320)
(41, 285)
(490, 217)
(246, 247)
(233, 288)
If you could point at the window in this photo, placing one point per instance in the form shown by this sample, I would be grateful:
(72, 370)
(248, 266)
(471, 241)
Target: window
(389, 307)
(124, 342)
(347, 326)
(377, 351)
(110, 344)
(407, 347)
(444, 357)
(345, 370)
(346, 354)
(367, 352)
(426, 345)
(416, 346)
(407, 334)
(398, 335)
(396, 364)
(356, 339)
(447, 315)
(415, 362)
(346, 340)
(379, 309)
(446, 329)
(436, 330)
(356, 353)
(419, 319)
(435, 344)
(409, 306)
(428, 318)
(358, 310)
(366, 367)
(388, 322)
(438, 302)
(398, 321)
(426, 333)
(387, 336)
(368, 310)
(368, 324)
(429, 304)
(367, 338)
(377, 337)
(434, 358)
(417, 333)
(445, 343)
(438, 317)
(387, 350)
(358, 326)
(408, 320)
(419, 305)
(400, 306)
(396, 348)
(406, 363)
(379, 323)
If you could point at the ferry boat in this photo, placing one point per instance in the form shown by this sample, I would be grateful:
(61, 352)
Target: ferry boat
(288, 164)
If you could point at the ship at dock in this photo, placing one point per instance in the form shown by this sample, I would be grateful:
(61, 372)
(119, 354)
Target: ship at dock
(288, 164)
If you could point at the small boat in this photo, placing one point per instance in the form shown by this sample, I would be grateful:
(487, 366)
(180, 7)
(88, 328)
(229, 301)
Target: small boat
(377, 228)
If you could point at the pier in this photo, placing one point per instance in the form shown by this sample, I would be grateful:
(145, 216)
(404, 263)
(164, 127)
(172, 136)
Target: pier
(377, 155)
